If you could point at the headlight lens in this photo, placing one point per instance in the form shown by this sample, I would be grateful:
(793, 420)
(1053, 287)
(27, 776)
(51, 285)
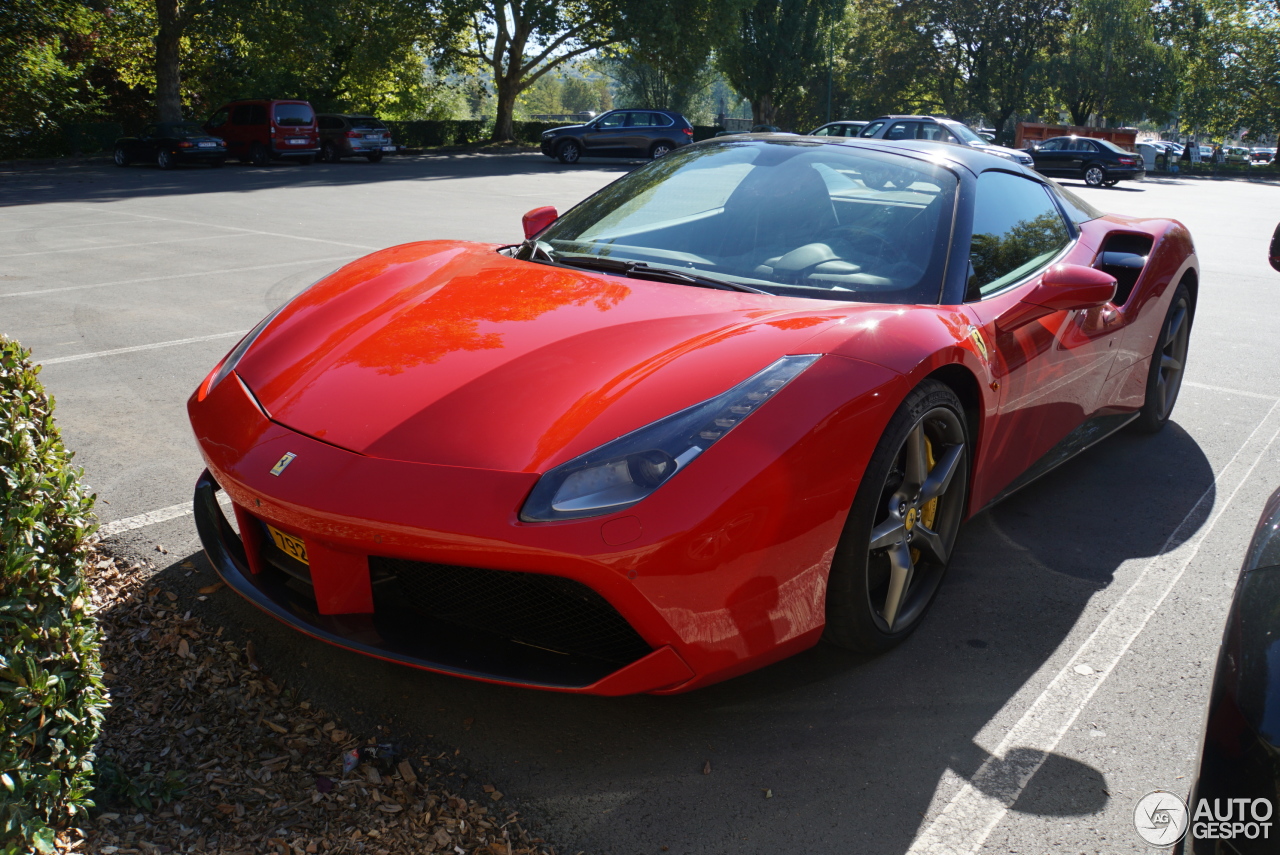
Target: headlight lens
(622, 472)
(228, 365)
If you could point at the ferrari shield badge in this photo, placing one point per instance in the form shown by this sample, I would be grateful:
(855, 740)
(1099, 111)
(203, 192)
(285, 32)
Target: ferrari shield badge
(283, 463)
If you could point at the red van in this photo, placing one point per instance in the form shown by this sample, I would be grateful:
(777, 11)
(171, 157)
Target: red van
(259, 131)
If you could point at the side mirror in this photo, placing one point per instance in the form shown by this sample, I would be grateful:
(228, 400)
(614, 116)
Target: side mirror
(538, 219)
(1274, 255)
(1062, 288)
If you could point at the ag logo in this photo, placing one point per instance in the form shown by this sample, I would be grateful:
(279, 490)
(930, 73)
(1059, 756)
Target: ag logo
(1161, 818)
(283, 463)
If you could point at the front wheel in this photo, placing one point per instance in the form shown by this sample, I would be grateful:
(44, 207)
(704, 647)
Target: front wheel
(1168, 363)
(569, 152)
(259, 156)
(1095, 175)
(898, 538)
(660, 149)
(120, 157)
(164, 159)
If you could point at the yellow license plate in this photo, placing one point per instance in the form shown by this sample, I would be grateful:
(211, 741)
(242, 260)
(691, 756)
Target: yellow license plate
(290, 545)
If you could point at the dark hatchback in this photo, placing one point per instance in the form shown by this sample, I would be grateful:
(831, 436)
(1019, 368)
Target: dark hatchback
(619, 133)
(169, 144)
(1101, 163)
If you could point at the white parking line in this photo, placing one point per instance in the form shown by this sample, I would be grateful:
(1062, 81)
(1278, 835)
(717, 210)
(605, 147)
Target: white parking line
(68, 225)
(136, 348)
(219, 272)
(102, 246)
(172, 512)
(1227, 391)
(250, 231)
(973, 813)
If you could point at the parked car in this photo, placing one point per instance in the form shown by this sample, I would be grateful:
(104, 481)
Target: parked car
(939, 130)
(756, 386)
(1236, 154)
(1206, 152)
(1262, 155)
(169, 144)
(258, 132)
(352, 135)
(1101, 163)
(838, 129)
(1239, 755)
(619, 133)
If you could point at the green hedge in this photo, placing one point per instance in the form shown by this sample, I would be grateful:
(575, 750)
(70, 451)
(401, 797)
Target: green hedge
(51, 693)
(437, 132)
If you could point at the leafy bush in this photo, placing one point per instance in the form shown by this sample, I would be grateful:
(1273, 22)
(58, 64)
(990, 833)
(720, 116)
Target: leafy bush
(51, 692)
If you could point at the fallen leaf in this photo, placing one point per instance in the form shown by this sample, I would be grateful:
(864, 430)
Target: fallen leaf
(706, 768)
(184, 649)
(209, 589)
(336, 735)
(407, 773)
(277, 728)
(390, 808)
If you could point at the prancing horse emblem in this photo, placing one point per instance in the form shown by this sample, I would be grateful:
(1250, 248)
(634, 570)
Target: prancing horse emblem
(283, 463)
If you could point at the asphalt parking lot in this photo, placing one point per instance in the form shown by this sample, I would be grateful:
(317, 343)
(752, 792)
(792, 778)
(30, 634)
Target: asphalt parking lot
(1061, 676)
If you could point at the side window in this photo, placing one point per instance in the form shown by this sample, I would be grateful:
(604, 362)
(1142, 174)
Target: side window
(900, 131)
(329, 123)
(218, 119)
(850, 130)
(870, 130)
(240, 115)
(257, 114)
(930, 131)
(1017, 229)
(825, 131)
(641, 120)
(613, 120)
(1051, 145)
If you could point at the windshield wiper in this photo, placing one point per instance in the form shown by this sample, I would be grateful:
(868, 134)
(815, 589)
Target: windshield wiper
(641, 270)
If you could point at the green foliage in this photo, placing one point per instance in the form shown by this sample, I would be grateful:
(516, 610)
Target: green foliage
(51, 691)
(146, 790)
(440, 132)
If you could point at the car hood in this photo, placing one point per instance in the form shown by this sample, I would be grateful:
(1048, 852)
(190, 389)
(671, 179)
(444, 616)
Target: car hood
(451, 353)
(560, 128)
(1000, 150)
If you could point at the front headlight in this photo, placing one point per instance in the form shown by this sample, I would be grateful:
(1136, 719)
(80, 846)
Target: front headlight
(228, 365)
(622, 472)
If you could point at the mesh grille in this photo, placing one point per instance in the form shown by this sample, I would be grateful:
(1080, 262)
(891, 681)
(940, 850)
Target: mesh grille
(544, 611)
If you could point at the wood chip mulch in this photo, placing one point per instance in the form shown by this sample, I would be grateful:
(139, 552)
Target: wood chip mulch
(231, 761)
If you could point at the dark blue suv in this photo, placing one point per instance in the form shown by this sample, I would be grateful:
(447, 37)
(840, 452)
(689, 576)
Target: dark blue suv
(619, 133)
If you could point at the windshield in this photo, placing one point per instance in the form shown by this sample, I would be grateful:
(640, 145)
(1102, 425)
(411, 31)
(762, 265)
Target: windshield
(1110, 146)
(183, 131)
(966, 135)
(294, 114)
(365, 123)
(786, 217)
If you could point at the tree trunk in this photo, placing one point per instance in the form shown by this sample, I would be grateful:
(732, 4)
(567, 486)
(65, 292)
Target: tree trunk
(504, 123)
(168, 48)
(763, 110)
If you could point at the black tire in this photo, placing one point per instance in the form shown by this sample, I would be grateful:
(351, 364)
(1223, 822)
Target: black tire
(660, 149)
(376, 157)
(1095, 175)
(121, 157)
(259, 156)
(164, 159)
(1168, 364)
(929, 428)
(219, 163)
(328, 154)
(570, 151)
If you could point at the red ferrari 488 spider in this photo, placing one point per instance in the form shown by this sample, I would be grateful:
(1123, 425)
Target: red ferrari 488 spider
(737, 401)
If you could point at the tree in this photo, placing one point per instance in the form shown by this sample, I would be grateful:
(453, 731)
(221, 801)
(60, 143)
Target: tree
(774, 49)
(1111, 64)
(989, 50)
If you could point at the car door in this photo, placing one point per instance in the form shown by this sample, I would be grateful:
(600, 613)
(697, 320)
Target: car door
(144, 147)
(645, 129)
(1049, 368)
(607, 134)
(1080, 153)
(1049, 157)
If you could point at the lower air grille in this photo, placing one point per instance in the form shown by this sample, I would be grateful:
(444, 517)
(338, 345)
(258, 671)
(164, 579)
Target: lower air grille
(547, 612)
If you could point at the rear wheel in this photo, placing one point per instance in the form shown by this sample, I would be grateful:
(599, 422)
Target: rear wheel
(120, 157)
(1168, 363)
(570, 151)
(259, 156)
(375, 157)
(660, 149)
(165, 159)
(898, 538)
(1094, 175)
(329, 154)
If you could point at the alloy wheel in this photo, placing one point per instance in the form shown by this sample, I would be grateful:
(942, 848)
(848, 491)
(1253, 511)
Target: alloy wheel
(914, 531)
(661, 150)
(121, 158)
(1094, 176)
(1173, 359)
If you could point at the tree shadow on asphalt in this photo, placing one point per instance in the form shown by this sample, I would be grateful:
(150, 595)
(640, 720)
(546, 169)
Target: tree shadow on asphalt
(94, 183)
(847, 748)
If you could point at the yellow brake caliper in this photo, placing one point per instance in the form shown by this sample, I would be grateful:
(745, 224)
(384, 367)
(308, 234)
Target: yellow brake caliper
(930, 510)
